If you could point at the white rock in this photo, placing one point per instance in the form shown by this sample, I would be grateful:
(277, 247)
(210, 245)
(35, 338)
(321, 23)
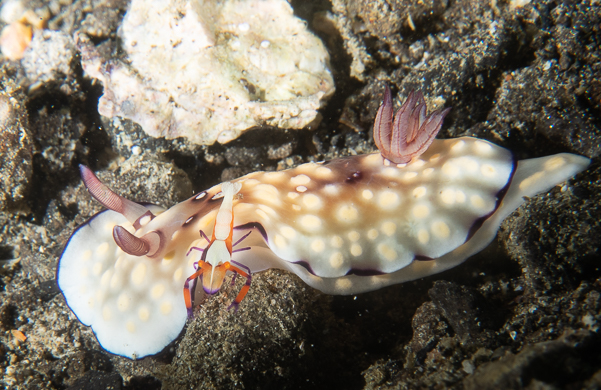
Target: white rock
(12, 11)
(209, 70)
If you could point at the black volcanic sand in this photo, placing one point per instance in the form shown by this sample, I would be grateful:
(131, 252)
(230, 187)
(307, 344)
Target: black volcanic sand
(524, 313)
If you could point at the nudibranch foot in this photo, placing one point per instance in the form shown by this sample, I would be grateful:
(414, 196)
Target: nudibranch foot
(412, 131)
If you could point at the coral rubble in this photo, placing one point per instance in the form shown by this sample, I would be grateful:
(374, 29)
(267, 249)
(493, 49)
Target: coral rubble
(210, 70)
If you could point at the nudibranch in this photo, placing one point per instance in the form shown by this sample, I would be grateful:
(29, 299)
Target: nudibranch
(345, 226)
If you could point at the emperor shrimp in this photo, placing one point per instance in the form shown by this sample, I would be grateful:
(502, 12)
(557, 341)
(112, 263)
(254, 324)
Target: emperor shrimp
(216, 258)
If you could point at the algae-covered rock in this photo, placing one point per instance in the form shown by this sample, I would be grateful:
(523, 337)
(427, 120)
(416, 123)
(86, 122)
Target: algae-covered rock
(15, 152)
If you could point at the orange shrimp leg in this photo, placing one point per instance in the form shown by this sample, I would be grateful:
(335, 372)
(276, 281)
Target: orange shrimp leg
(240, 265)
(244, 289)
(204, 267)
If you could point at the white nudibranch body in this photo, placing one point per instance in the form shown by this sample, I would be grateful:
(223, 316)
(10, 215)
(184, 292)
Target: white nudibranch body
(344, 226)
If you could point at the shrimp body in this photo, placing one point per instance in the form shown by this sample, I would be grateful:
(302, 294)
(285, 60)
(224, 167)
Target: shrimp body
(216, 258)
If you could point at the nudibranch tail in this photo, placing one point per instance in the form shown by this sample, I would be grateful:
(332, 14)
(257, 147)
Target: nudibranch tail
(412, 131)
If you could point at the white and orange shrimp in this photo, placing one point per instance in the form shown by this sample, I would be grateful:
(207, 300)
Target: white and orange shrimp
(216, 258)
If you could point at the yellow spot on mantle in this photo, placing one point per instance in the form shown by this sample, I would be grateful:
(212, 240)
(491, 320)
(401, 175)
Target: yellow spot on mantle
(531, 180)
(157, 291)
(354, 236)
(417, 163)
(336, 260)
(312, 201)
(450, 169)
(102, 248)
(441, 229)
(356, 250)
(410, 175)
(323, 172)
(336, 241)
(169, 256)
(166, 307)
(477, 201)
(372, 234)
(288, 232)
(555, 163)
(131, 327)
(457, 146)
(331, 189)
(448, 196)
(300, 179)
(318, 245)
(388, 199)
(106, 277)
(488, 170)
(419, 192)
(280, 241)
(388, 228)
(347, 213)
(178, 274)
(267, 209)
(267, 192)
(387, 252)
(137, 275)
(310, 222)
(117, 281)
(273, 176)
(143, 313)
(390, 172)
(343, 284)
(423, 236)
(97, 269)
(483, 147)
(468, 164)
(123, 302)
(421, 211)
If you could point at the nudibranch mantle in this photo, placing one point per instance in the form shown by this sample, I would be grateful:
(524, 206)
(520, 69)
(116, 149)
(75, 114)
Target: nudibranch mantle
(345, 226)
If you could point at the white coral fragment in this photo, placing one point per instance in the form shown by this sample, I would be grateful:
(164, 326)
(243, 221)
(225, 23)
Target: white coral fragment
(209, 70)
